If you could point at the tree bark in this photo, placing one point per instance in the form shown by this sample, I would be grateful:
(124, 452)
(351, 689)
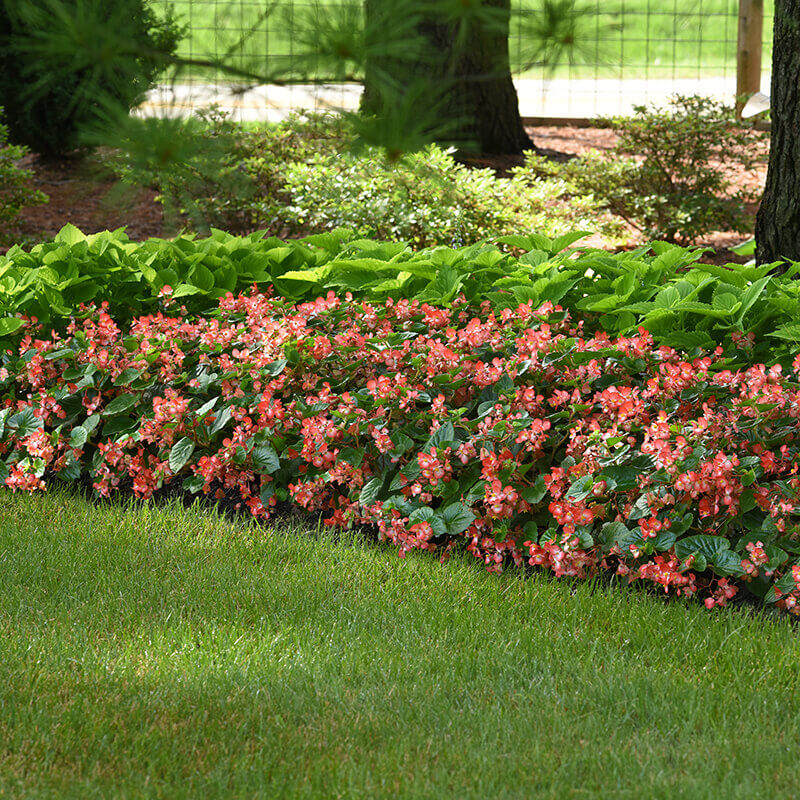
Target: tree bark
(470, 97)
(778, 220)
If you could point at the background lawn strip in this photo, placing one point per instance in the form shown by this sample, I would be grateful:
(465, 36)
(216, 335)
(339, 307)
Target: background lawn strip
(686, 39)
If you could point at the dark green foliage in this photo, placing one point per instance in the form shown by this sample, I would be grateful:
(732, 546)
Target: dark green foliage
(66, 66)
(668, 173)
(16, 190)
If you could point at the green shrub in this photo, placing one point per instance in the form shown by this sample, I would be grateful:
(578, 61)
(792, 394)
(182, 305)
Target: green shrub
(666, 175)
(303, 176)
(16, 191)
(62, 64)
(426, 198)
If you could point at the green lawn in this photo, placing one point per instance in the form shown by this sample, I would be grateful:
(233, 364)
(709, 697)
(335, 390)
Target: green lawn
(622, 38)
(169, 653)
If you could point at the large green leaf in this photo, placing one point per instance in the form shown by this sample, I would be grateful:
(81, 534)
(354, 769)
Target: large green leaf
(69, 234)
(456, 518)
(127, 376)
(180, 453)
(369, 492)
(705, 544)
(265, 459)
(10, 325)
(120, 404)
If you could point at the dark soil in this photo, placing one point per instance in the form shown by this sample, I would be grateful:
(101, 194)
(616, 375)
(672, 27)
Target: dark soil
(82, 193)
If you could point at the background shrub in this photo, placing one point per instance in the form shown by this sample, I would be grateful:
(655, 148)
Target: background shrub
(668, 173)
(16, 190)
(50, 91)
(427, 198)
(303, 176)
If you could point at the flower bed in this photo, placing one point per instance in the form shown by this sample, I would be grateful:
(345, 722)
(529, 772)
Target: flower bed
(506, 432)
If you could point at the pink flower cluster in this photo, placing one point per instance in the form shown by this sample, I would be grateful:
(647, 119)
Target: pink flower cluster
(509, 432)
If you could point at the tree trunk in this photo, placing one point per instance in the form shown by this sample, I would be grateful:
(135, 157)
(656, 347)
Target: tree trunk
(468, 95)
(778, 221)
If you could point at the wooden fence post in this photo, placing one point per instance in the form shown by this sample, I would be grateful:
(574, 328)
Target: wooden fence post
(748, 50)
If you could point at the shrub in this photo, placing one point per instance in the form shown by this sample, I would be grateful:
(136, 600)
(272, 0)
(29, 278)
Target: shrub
(61, 65)
(668, 173)
(303, 176)
(16, 191)
(426, 198)
(510, 435)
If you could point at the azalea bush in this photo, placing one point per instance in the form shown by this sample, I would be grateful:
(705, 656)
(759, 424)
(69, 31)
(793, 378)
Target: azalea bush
(511, 434)
(669, 173)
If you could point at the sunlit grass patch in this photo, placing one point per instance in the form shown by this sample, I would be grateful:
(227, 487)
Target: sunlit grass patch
(169, 652)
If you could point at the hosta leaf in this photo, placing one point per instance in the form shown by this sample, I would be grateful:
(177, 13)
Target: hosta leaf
(316, 275)
(534, 258)
(185, 290)
(726, 302)
(202, 277)
(790, 332)
(10, 325)
(751, 295)
(688, 340)
(668, 297)
(69, 234)
(566, 239)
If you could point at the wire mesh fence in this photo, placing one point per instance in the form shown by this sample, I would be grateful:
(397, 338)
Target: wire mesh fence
(621, 54)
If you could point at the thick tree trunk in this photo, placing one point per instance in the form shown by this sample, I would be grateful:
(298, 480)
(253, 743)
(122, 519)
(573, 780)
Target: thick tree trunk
(778, 221)
(470, 97)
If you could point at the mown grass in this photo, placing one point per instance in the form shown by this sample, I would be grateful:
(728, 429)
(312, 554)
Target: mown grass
(626, 38)
(164, 652)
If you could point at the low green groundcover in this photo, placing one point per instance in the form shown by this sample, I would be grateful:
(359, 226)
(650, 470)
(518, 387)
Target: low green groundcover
(751, 312)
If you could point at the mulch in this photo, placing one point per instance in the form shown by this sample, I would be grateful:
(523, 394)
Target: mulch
(82, 193)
